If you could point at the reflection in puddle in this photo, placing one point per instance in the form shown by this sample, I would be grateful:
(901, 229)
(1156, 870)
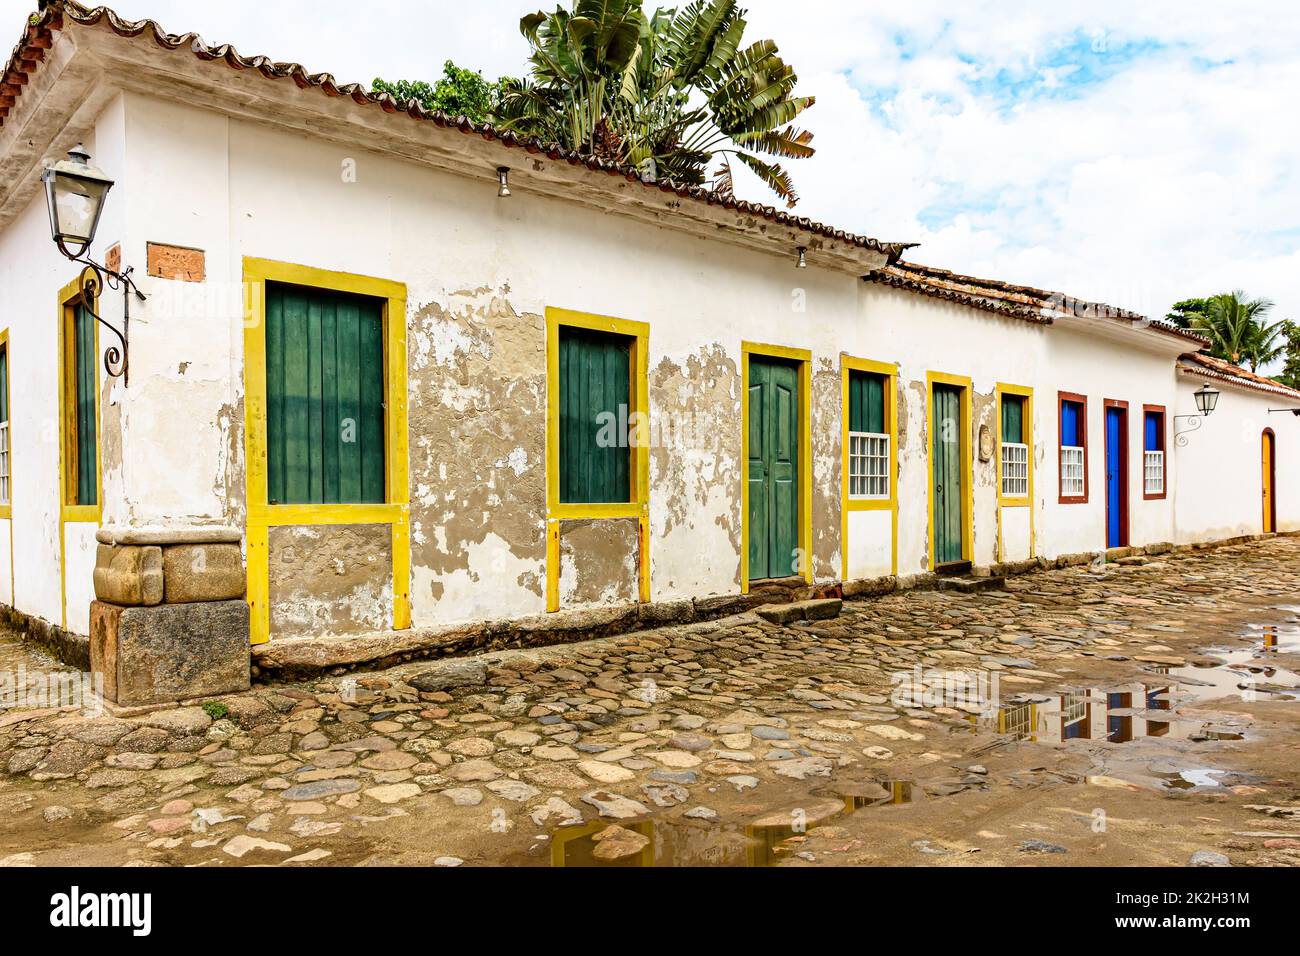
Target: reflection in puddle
(765, 841)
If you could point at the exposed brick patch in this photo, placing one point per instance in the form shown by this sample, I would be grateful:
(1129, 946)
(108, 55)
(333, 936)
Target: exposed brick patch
(113, 258)
(176, 262)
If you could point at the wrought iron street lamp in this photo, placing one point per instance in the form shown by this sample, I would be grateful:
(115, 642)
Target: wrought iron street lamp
(75, 192)
(1207, 400)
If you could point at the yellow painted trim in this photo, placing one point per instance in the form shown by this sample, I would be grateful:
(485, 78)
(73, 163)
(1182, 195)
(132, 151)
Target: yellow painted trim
(552, 561)
(638, 414)
(890, 371)
(1027, 422)
(68, 298)
(263, 516)
(968, 526)
(643, 562)
(283, 515)
(804, 359)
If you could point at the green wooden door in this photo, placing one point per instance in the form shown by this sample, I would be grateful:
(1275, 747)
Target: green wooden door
(773, 469)
(595, 396)
(947, 448)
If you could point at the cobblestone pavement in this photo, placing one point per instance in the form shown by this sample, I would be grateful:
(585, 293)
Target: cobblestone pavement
(729, 743)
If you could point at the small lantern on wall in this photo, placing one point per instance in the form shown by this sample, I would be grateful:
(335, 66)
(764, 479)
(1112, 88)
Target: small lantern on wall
(75, 192)
(1207, 400)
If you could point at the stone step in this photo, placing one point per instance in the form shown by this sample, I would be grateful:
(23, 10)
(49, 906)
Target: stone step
(818, 610)
(973, 585)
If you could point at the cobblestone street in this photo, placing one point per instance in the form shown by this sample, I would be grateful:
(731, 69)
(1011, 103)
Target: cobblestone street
(731, 743)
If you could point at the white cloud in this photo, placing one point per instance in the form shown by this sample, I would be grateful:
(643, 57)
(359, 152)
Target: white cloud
(1095, 149)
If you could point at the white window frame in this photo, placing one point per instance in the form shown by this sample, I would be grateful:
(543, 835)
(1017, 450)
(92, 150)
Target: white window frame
(1015, 470)
(1153, 472)
(866, 483)
(1074, 479)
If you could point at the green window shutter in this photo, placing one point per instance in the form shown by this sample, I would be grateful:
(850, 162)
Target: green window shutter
(84, 370)
(1013, 410)
(866, 402)
(4, 385)
(595, 407)
(325, 397)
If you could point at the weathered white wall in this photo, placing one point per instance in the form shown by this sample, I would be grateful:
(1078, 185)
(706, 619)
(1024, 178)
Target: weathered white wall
(1221, 491)
(480, 274)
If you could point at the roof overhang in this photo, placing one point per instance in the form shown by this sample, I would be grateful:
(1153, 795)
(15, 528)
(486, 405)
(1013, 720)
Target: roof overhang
(72, 62)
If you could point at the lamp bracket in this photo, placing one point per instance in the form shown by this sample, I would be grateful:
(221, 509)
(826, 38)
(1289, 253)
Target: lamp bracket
(92, 281)
(1194, 423)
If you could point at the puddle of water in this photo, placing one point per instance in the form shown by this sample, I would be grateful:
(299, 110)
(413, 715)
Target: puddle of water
(767, 840)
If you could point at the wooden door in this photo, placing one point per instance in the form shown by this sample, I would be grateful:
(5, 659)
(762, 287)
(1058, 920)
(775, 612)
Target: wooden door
(947, 449)
(1116, 477)
(773, 469)
(1268, 469)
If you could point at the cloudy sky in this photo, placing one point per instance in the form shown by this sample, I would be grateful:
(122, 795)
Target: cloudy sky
(1132, 152)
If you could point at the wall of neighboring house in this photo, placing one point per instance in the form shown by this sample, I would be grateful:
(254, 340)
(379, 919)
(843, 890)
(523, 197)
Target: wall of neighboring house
(1221, 494)
(1089, 360)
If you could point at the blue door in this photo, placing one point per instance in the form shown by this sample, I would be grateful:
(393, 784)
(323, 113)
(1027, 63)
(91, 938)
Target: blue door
(1116, 478)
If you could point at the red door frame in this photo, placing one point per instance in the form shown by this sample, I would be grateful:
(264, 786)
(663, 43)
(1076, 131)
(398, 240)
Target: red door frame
(1123, 471)
(1270, 516)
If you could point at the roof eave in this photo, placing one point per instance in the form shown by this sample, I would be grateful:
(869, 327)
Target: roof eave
(96, 60)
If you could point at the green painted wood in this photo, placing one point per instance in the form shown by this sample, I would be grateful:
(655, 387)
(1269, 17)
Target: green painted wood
(946, 457)
(1013, 411)
(595, 456)
(773, 469)
(325, 397)
(4, 385)
(866, 402)
(86, 398)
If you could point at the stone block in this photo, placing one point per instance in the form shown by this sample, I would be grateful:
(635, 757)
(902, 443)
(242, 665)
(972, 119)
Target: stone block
(130, 576)
(203, 572)
(155, 655)
(822, 609)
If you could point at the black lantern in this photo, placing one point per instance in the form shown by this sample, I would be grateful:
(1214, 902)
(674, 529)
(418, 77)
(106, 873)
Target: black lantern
(1207, 399)
(75, 192)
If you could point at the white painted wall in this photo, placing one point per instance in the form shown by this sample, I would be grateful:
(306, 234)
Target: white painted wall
(1220, 494)
(235, 189)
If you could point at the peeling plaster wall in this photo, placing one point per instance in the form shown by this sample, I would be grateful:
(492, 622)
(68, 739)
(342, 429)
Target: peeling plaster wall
(480, 273)
(598, 562)
(331, 580)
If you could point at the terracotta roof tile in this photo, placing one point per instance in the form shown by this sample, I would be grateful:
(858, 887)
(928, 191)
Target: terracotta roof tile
(1041, 306)
(55, 13)
(1200, 364)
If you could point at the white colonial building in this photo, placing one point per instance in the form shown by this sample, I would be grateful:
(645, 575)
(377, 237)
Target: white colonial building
(416, 411)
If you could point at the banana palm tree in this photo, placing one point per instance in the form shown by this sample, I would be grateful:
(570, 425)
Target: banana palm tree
(1235, 326)
(667, 93)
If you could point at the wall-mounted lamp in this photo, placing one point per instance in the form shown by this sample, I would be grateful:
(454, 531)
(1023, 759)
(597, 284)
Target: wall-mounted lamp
(1207, 400)
(503, 181)
(803, 258)
(75, 192)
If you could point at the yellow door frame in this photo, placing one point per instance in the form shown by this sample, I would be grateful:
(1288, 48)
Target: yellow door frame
(262, 516)
(70, 296)
(849, 364)
(803, 359)
(638, 506)
(1027, 424)
(964, 383)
